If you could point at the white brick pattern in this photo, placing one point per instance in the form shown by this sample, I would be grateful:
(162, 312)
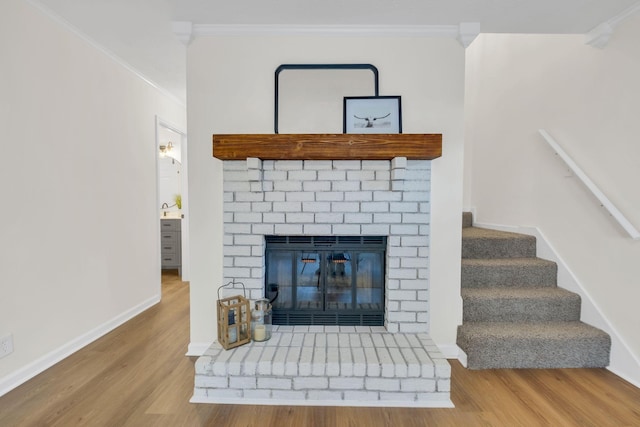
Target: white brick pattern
(344, 365)
(340, 197)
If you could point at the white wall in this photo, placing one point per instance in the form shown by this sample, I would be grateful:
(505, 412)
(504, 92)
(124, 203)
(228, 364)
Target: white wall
(230, 90)
(588, 100)
(80, 231)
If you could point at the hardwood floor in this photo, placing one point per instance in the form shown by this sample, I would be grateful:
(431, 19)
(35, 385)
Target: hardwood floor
(138, 376)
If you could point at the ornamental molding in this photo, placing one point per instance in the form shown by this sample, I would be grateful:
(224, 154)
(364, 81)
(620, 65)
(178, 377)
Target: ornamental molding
(599, 36)
(183, 30)
(465, 32)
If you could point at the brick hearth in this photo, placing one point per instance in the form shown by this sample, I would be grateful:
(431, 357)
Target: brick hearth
(327, 365)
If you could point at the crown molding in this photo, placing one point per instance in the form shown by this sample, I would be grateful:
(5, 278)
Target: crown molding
(616, 20)
(183, 31)
(599, 36)
(467, 33)
(451, 31)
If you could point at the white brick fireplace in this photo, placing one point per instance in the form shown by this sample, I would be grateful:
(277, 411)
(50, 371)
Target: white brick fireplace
(334, 197)
(392, 365)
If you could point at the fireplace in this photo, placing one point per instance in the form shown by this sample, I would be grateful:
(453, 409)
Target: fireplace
(326, 280)
(324, 220)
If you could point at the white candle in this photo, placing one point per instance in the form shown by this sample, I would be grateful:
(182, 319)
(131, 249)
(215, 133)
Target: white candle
(233, 335)
(259, 333)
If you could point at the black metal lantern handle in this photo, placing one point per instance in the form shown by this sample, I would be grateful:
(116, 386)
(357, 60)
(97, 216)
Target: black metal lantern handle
(244, 290)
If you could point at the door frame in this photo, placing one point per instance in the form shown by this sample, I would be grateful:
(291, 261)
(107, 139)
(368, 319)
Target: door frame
(184, 191)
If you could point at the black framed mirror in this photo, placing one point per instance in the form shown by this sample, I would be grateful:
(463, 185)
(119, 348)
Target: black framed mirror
(310, 96)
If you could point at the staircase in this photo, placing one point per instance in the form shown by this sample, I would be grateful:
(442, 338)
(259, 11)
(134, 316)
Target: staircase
(514, 315)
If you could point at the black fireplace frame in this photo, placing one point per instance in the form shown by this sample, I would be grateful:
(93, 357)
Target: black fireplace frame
(297, 245)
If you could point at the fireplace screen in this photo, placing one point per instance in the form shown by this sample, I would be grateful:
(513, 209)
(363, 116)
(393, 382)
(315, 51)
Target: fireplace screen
(332, 280)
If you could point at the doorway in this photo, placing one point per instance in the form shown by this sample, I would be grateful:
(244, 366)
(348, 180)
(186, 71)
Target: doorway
(172, 198)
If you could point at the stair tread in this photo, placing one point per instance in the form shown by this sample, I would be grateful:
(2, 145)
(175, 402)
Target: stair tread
(487, 233)
(508, 272)
(540, 292)
(513, 345)
(529, 330)
(486, 243)
(535, 305)
(507, 262)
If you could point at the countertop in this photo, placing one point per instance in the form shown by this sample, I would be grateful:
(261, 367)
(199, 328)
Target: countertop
(171, 215)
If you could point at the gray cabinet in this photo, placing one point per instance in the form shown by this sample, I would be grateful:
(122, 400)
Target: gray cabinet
(170, 244)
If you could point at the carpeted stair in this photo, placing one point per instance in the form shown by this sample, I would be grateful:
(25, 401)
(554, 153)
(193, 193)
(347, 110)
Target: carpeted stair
(514, 315)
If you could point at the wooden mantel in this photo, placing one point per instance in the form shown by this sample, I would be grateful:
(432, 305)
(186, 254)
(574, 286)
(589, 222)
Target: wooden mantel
(327, 146)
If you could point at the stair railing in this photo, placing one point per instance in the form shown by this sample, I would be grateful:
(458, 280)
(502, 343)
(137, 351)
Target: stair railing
(604, 200)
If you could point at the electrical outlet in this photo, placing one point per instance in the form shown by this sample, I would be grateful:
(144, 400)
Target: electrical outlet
(6, 345)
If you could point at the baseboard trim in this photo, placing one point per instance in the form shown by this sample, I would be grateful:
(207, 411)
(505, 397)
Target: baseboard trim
(449, 351)
(452, 351)
(623, 361)
(462, 358)
(624, 375)
(197, 348)
(34, 368)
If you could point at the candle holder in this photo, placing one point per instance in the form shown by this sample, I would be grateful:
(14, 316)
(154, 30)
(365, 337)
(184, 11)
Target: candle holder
(261, 320)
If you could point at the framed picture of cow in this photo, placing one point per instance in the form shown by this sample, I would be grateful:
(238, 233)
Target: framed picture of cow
(372, 114)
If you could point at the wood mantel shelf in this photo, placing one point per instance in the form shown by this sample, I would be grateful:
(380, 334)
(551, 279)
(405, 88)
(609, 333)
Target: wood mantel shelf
(327, 146)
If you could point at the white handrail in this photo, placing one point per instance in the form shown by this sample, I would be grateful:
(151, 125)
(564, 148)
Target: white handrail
(604, 200)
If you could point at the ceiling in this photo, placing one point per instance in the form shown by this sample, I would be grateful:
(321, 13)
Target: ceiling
(139, 33)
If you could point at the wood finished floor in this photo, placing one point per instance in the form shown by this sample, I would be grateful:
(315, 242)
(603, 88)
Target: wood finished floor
(138, 376)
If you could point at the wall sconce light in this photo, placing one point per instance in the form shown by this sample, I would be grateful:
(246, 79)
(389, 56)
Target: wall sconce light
(164, 149)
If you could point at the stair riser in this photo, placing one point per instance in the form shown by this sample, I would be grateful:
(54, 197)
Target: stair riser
(531, 353)
(564, 309)
(496, 276)
(498, 248)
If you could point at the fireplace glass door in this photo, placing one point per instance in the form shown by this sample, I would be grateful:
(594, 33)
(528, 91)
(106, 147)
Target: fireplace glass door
(320, 282)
